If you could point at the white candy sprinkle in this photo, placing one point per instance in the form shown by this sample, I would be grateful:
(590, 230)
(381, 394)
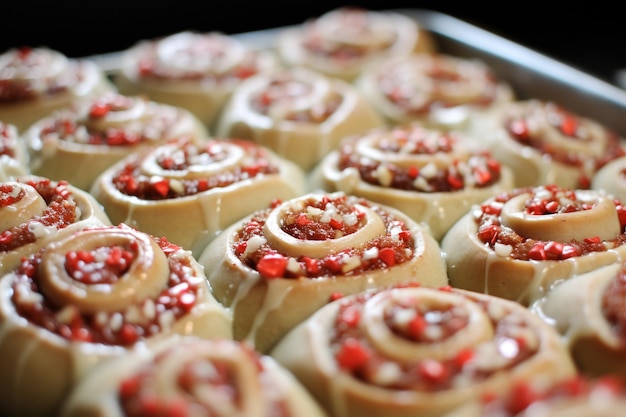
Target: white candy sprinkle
(502, 250)
(371, 253)
(115, 321)
(254, 243)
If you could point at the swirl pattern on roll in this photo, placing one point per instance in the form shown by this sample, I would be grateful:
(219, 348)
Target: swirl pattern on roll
(192, 376)
(518, 243)
(200, 188)
(83, 139)
(38, 81)
(35, 210)
(299, 113)
(90, 296)
(343, 41)
(194, 70)
(298, 255)
(546, 143)
(431, 175)
(411, 350)
(588, 310)
(578, 396)
(438, 90)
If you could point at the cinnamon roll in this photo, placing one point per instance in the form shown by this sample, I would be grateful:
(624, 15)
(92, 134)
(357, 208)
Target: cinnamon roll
(199, 188)
(300, 114)
(578, 396)
(192, 376)
(343, 41)
(93, 295)
(417, 351)
(546, 143)
(276, 267)
(35, 210)
(81, 140)
(589, 311)
(431, 175)
(36, 81)
(194, 70)
(517, 244)
(13, 153)
(438, 90)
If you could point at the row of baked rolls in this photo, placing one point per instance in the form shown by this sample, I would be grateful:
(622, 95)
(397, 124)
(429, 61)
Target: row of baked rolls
(89, 296)
(79, 141)
(189, 192)
(545, 142)
(432, 175)
(589, 310)
(438, 90)
(189, 376)
(35, 210)
(517, 244)
(276, 267)
(13, 153)
(299, 113)
(343, 41)
(410, 350)
(36, 81)
(193, 70)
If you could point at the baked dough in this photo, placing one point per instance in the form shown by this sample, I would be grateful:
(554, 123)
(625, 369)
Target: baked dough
(91, 296)
(35, 210)
(218, 377)
(190, 192)
(545, 143)
(516, 245)
(433, 176)
(588, 310)
(38, 81)
(276, 267)
(341, 42)
(13, 153)
(83, 139)
(418, 351)
(194, 70)
(438, 90)
(299, 113)
(612, 178)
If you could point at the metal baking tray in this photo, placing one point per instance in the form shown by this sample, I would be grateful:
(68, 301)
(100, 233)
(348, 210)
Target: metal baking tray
(530, 73)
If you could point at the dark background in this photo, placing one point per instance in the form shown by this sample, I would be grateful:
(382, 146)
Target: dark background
(587, 35)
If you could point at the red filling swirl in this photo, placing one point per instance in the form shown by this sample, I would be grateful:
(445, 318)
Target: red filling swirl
(477, 170)
(545, 200)
(133, 181)
(613, 306)
(104, 265)
(8, 138)
(330, 217)
(355, 353)
(573, 128)
(139, 395)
